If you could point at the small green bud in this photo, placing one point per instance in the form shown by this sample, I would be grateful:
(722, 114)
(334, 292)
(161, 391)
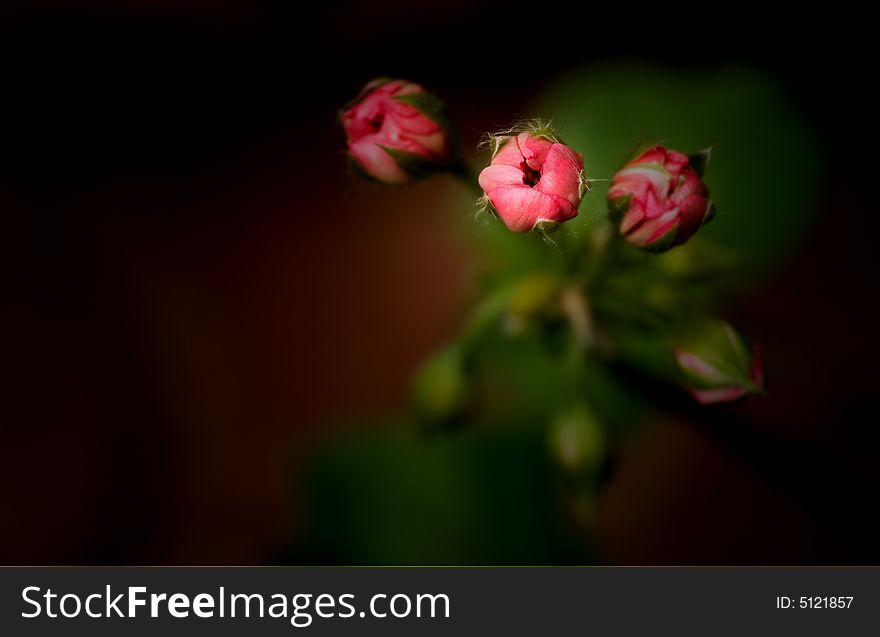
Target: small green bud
(577, 440)
(718, 365)
(533, 298)
(440, 388)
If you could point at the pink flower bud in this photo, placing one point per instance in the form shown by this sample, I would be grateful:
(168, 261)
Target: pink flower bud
(534, 181)
(660, 198)
(718, 366)
(397, 132)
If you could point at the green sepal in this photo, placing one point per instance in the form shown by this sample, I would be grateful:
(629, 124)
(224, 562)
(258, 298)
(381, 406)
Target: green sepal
(664, 243)
(585, 184)
(710, 213)
(546, 227)
(368, 88)
(412, 164)
(496, 142)
(431, 107)
(484, 207)
(355, 167)
(637, 152)
(542, 129)
(618, 206)
(700, 160)
(723, 348)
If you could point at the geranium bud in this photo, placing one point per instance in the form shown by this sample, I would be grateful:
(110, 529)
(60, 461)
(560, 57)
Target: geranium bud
(534, 182)
(577, 440)
(533, 298)
(397, 132)
(659, 198)
(718, 366)
(440, 389)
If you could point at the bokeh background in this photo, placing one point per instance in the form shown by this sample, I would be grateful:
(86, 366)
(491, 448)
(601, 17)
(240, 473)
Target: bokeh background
(210, 328)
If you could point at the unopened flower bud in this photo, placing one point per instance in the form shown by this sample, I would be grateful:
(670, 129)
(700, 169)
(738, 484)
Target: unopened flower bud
(533, 298)
(440, 388)
(659, 198)
(718, 366)
(533, 182)
(577, 440)
(397, 132)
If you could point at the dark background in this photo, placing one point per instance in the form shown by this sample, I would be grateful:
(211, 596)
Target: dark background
(195, 290)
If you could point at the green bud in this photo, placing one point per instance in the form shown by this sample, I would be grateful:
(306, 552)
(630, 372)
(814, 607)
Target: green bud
(440, 388)
(718, 365)
(535, 297)
(577, 440)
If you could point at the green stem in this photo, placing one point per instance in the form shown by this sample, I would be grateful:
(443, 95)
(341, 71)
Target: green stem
(576, 308)
(604, 253)
(484, 316)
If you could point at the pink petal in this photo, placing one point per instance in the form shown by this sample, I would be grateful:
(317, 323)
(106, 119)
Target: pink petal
(499, 175)
(653, 155)
(633, 217)
(522, 207)
(642, 179)
(533, 149)
(757, 372)
(378, 163)
(692, 211)
(723, 395)
(563, 180)
(652, 230)
(696, 366)
(509, 154)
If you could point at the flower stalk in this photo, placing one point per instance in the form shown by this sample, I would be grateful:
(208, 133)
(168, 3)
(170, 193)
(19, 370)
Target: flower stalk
(609, 297)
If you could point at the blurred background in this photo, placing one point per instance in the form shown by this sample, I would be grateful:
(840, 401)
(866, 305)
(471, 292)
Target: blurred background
(210, 328)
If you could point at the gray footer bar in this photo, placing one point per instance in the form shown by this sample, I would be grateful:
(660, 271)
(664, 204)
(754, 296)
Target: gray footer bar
(439, 601)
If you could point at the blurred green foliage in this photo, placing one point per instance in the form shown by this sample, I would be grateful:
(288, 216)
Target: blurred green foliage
(766, 168)
(393, 495)
(503, 490)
